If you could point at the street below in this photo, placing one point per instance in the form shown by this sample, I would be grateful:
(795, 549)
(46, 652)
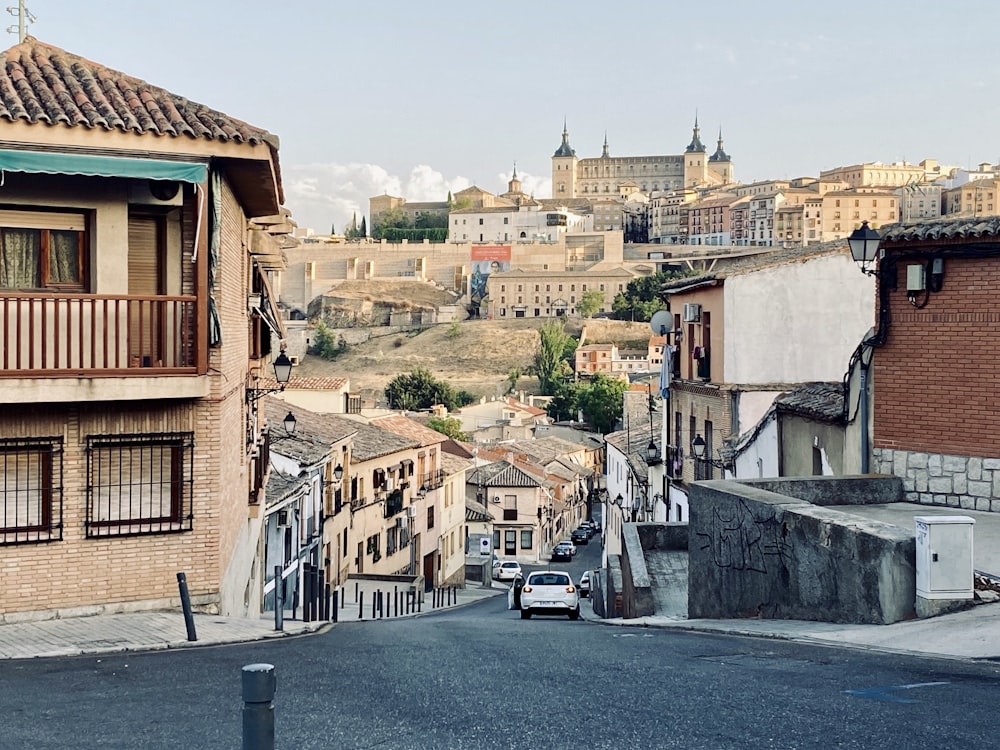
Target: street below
(480, 677)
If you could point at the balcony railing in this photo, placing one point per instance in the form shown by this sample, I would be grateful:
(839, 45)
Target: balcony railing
(84, 335)
(432, 480)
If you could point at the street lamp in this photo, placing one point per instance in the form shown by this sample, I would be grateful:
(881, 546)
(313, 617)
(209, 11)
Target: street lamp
(864, 242)
(698, 446)
(282, 373)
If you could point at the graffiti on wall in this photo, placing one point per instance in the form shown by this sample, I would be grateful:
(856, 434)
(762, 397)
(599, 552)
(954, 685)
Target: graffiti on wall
(739, 540)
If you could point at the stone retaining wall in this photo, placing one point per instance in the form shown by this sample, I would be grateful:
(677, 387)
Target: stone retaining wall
(966, 482)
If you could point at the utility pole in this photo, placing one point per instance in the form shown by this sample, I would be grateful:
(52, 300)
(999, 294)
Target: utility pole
(24, 17)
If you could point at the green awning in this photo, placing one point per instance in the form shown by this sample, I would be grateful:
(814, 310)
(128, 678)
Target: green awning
(39, 162)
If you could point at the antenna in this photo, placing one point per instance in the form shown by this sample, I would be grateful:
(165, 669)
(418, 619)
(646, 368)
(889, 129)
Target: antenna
(24, 17)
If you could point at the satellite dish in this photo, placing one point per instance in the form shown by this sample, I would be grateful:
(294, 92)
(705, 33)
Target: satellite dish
(661, 322)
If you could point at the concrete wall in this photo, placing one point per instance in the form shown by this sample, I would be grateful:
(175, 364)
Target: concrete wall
(637, 594)
(757, 553)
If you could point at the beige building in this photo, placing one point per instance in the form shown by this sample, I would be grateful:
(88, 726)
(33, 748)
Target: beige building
(614, 176)
(878, 174)
(134, 326)
(844, 210)
(975, 198)
(523, 293)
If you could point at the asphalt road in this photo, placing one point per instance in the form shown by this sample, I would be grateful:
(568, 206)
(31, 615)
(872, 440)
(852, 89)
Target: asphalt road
(480, 677)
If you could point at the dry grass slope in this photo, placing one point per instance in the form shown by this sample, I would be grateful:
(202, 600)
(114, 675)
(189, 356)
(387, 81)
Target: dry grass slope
(474, 355)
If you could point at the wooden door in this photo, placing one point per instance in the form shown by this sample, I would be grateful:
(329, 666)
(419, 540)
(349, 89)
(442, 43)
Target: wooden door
(145, 278)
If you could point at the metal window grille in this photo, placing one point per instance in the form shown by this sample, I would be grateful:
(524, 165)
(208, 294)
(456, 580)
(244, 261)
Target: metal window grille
(31, 490)
(139, 484)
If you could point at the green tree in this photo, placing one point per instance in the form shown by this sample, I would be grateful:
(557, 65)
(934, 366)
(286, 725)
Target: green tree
(364, 229)
(563, 406)
(590, 302)
(420, 390)
(601, 402)
(512, 377)
(549, 359)
(449, 426)
(326, 345)
(333, 229)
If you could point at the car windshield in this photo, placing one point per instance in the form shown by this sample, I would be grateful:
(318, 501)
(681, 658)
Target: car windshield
(549, 579)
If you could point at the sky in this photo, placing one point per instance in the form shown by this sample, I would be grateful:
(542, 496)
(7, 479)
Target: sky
(416, 99)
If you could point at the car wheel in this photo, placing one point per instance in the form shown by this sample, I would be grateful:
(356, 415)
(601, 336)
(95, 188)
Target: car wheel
(525, 614)
(574, 615)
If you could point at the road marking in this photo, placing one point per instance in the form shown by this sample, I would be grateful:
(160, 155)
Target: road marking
(886, 693)
(632, 635)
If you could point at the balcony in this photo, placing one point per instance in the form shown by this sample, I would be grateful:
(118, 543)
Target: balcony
(432, 480)
(49, 341)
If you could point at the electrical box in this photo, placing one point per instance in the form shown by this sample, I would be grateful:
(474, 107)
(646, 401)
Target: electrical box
(944, 557)
(915, 281)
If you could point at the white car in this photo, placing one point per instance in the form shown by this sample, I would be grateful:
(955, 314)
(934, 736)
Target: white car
(507, 570)
(585, 584)
(550, 592)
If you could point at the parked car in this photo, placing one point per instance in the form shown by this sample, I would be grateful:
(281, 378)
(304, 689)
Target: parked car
(588, 526)
(569, 543)
(580, 536)
(507, 570)
(550, 592)
(514, 592)
(562, 553)
(585, 584)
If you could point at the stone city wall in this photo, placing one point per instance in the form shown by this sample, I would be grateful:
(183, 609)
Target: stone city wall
(966, 482)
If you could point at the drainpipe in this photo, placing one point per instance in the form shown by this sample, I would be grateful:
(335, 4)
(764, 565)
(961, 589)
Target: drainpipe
(863, 388)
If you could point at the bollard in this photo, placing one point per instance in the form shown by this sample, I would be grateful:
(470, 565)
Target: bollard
(381, 612)
(355, 591)
(420, 599)
(361, 605)
(452, 596)
(307, 593)
(279, 600)
(186, 607)
(258, 706)
(326, 601)
(395, 601)
(374, 603)
(336, 594)
(323, 594)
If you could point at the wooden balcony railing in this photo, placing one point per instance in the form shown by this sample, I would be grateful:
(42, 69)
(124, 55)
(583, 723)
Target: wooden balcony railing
(84, 335)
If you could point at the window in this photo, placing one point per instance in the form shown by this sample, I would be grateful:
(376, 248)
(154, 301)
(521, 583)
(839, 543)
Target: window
(480, 222)
(526, 539)
(31, 490)
(139, 484)
(430, 517)
(42, 250)
(510, 507)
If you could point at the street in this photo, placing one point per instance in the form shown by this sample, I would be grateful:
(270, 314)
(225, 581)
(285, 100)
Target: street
(479, 677)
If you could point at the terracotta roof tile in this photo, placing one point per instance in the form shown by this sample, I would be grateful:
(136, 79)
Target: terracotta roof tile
(407, 428)
(40, 83)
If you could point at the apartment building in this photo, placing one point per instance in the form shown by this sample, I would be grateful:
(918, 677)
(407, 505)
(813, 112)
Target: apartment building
(974, 198)
(136, 315)
(844, 210)
(524, 293)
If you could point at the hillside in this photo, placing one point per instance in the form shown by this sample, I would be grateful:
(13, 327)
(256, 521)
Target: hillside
(474, 355)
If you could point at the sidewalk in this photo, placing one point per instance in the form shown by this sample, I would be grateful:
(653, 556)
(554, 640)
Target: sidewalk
(157, 631)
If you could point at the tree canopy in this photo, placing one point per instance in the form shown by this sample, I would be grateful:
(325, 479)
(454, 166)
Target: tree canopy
(641, 297)
(449, 426)
(590, 303)
(601, 402)
(550, 363)
(421, 390)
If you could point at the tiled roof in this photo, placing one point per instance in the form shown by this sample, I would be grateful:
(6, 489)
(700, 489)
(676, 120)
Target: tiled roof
(40, 83)
(752, 263)
(943, 229)
(280, 486)
(820, 401)
(500, 474)
(316, 384)
(314, 436)
(452, 465)
(372, 442)
(407, 428)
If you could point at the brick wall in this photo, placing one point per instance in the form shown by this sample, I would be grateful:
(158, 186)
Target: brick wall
(934, 378)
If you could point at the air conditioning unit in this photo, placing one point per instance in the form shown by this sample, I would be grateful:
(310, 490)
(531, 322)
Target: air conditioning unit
(411, 511)
(496, 499)
(294, 360)
(692, 312)
(284, 519)
(155, 193)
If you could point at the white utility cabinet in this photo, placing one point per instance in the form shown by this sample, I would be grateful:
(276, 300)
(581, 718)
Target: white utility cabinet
(944, 557)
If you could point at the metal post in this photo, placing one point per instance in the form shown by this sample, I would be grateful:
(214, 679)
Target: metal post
(258, 706)
(186, 607)
(336, 594)
(374, 603)
(355, 591)
(361, 604)
(307, 593)
(395, 600)
(279, 600)
(325, 588)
